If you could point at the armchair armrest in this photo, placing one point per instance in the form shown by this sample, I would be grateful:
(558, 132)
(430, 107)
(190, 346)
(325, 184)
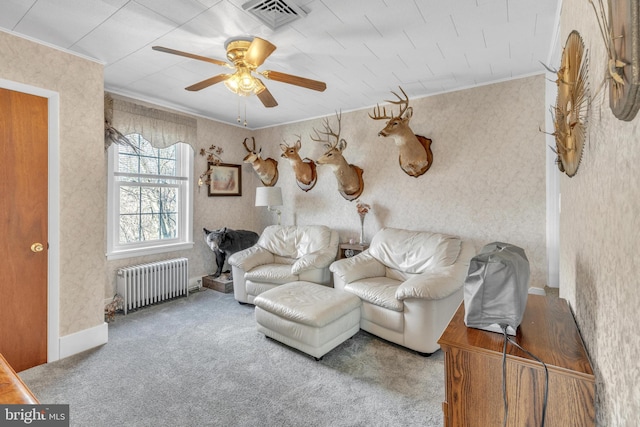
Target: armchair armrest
(317, 259)
(441, 281)
(250, 258)
(358, 267)
(436, 284)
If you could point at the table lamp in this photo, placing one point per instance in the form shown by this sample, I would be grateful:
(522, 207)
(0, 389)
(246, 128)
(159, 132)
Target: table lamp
(269, 196)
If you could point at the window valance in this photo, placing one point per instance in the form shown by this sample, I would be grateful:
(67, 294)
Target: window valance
(161, 128)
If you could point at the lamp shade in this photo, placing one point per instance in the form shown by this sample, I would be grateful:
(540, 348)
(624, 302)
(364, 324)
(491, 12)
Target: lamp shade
(268, 196)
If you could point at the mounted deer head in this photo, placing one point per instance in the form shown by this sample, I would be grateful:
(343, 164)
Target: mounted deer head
(350, 182)
(304, 169)
(267, 170)
(415, 150)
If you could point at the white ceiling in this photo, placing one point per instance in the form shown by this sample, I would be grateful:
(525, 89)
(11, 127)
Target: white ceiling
(362, 49)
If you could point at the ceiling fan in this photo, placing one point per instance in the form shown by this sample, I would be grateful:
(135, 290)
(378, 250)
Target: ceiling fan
(246, 54)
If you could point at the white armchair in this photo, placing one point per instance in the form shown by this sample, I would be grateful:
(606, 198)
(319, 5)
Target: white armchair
(282, 255)
(410, 284)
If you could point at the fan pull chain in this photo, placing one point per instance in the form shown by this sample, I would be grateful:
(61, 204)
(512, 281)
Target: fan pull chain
(244, 105)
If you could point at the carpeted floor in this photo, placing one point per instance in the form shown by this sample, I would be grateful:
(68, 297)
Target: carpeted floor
(200, 362)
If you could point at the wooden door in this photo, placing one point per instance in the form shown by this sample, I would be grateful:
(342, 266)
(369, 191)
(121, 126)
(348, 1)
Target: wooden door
(23, 225)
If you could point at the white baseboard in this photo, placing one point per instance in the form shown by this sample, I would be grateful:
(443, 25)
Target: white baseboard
(536, 291)
(83, 340)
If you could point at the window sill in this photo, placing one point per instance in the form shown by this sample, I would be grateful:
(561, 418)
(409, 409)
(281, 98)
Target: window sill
(138, 252)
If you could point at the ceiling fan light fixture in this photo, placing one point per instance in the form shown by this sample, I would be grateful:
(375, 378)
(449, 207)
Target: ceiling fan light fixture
(247, 53)
(242, 83)
(232, 84)
(246, 82)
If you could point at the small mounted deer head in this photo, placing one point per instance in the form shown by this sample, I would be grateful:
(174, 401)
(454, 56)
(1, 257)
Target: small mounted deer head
(267, 170)
(350, 182)
(304, 169)
(415, 150)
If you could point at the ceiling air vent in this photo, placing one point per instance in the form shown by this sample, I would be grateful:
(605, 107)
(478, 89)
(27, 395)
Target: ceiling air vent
(274, 13)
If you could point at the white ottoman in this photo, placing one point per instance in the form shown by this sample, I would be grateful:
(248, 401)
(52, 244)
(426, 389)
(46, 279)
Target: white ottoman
(309, 317)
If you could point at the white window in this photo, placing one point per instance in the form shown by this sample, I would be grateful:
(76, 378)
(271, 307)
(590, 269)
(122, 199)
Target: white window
(149, 198)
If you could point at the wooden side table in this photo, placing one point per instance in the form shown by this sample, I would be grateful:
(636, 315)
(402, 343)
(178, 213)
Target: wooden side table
(473, 371)
(347, 250)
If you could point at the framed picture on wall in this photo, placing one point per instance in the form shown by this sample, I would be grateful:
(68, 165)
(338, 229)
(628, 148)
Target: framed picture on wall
(225, 180)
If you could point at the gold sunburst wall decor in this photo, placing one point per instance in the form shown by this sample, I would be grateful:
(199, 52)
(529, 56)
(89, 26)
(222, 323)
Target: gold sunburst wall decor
(624, 23)
(619, 22)
(572, 105)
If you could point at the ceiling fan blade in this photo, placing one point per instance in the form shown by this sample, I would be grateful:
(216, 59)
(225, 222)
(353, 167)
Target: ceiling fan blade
(258, 51)
(295, 80)
(266, 98)
(191, 55)
(209, 82)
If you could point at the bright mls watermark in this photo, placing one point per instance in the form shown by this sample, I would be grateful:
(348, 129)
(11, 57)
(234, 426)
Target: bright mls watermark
(34, 415)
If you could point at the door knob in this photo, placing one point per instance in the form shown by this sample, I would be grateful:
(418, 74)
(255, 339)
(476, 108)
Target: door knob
(37, 247)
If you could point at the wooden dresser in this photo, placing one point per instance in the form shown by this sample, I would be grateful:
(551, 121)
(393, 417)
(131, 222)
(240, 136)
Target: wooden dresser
(473, 371)
(12, 389)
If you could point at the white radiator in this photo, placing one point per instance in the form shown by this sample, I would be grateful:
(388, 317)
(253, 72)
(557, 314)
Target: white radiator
(145, 284)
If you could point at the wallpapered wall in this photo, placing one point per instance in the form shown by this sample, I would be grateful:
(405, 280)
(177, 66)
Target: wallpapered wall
(79, 83)
(599, 225)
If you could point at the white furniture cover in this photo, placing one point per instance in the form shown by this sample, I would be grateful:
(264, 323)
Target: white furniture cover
(410, 284)
(282, 255)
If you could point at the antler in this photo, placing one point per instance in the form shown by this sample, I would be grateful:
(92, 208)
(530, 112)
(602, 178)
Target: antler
(402, 102)
(251, 150)
(285, 145)
(328, 132)
(378, 116)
